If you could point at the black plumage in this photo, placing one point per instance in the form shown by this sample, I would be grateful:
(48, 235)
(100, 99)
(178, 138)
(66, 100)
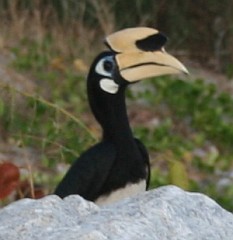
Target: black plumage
(119, 159)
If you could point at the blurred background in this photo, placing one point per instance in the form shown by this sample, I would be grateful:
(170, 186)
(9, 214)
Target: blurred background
(186, 123)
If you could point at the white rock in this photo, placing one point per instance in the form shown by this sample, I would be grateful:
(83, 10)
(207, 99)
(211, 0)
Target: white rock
(166, 213)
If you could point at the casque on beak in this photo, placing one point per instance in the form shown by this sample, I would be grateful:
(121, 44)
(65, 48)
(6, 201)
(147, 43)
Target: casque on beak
(140, 54)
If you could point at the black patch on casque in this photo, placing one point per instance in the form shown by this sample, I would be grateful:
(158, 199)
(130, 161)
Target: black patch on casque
(152, 43)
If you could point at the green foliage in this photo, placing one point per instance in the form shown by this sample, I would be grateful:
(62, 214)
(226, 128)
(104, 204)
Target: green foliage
(193, 118)
(199, 105)
(2, 107)
(54, 129)
(32, 55)
(178, 174)
(229, 70)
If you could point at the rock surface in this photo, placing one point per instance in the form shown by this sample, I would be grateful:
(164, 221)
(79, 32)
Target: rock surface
(161, 214)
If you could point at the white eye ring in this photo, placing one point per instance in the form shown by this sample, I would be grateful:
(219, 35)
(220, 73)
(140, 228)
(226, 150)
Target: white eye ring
(100, 69)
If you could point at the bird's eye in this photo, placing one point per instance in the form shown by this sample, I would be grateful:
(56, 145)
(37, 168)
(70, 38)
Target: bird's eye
(108, 65)
(105, 66)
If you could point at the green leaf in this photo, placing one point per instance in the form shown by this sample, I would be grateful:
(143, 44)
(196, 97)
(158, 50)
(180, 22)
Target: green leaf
(178, 174)
(2, 107)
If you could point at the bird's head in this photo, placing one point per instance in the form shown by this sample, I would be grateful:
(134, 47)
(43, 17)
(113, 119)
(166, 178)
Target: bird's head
(135, 54)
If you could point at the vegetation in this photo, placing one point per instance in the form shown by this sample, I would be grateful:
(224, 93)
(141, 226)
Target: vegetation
(189, 131)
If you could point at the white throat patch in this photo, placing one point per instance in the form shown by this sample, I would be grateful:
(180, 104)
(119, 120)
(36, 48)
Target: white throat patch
(109, 85)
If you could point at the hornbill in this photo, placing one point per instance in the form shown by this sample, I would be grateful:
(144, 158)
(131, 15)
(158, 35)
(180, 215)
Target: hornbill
(118, 166)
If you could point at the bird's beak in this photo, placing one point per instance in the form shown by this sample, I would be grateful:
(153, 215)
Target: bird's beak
(140, 54)
(140, 65)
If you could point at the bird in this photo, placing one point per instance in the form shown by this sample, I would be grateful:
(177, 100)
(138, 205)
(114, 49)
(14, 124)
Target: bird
(118, 165)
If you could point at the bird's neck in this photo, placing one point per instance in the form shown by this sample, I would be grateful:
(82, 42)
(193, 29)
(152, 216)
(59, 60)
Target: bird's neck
(110, 111)
(117, 127)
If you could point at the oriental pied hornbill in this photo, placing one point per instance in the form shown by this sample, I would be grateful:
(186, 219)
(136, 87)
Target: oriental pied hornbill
(118, 166)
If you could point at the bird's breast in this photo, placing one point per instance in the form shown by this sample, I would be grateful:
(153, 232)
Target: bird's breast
(129, 190)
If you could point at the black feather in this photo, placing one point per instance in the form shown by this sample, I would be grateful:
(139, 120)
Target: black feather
(89, 172)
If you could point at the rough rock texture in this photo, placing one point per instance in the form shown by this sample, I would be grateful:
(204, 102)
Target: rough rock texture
(161, 214)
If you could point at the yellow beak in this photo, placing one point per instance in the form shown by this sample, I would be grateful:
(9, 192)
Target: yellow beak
(136, 63)
(140, 65)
